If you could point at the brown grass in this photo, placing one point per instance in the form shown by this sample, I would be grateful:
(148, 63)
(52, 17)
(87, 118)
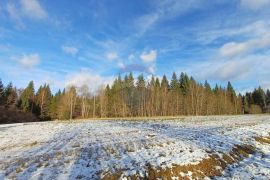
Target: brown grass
(263, 140)
(212, 166)
(23, 145)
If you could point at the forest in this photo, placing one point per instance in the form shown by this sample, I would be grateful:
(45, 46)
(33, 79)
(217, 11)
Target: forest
(127, 97)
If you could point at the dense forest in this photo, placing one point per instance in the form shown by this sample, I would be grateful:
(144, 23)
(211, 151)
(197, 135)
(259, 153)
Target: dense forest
(128, 97)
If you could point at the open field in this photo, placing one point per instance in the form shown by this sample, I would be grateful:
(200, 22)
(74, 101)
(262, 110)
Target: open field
(219, 147)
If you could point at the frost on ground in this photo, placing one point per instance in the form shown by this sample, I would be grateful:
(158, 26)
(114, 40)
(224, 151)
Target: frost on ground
(219, 147)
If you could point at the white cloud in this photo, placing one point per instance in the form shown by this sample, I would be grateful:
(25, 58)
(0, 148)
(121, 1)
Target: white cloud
(26, 8)
(255, 4)
(121, 65)
(234, 49)
(164, 10)
(233, 70)
(70, 50)
(15, 15)
(244, 69)
(149, 57)
(30, 60)
(87, 77)
(33, 9)
(131, 57)
(112, 56)
(146, 22)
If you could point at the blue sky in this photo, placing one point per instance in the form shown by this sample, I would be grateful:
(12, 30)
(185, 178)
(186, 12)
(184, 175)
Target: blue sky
(91, 41)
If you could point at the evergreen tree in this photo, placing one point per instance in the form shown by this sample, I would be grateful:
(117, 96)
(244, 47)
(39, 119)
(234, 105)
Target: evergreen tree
(2, 88)
(268, 97)
(174, 85)
(152, 82)
(141, 95)
(184, 83)
(174, 95)
(54, 104)
(183, 96)
(246, 105)
(10, 95)
(231, 92)
(259, 97)
(165, 83)
(27, 98)
(216, 89)
(157, 83)
(141, 82)
(131, 93)
(43, 99)
(207, 86)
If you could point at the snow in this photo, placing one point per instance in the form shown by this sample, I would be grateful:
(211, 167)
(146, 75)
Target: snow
(89, 149)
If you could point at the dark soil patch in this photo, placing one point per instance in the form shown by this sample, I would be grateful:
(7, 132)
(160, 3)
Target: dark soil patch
(212, 166)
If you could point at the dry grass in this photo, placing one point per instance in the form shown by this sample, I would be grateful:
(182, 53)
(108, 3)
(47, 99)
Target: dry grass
(23, 145)
(212, 166)
(263, 140)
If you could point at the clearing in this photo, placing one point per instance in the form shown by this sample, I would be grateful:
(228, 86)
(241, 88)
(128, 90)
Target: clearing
(216, 147)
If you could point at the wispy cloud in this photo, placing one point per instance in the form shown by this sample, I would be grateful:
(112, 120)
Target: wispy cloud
(234, 49)
(255, 4)
(15, 15)
(131, 57)
(70, 50)
(164, 10)
(25, 9)
(33, 9)
(30, 60)
(231, 70)
(112, 56)
(241, 69)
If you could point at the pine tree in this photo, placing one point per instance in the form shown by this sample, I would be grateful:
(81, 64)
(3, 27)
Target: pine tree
(165, 83)
(2, 88)
(259, 97)
(10, 95)
(231, 91)
(268, 97)
(246, 105)
(43, 99)
(207, 86)
(216, 89)
(164, 96)
(184, 83)
(175, 93)
(141, 95)
(54, 105)
(174, 85)
(27, 98)
(267, 101)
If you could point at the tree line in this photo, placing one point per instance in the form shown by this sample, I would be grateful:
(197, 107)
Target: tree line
(127, 97)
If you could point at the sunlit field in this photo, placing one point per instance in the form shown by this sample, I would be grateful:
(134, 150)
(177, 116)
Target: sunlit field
(189, 147)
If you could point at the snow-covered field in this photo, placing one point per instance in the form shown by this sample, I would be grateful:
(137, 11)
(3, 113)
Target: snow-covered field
(110, 149)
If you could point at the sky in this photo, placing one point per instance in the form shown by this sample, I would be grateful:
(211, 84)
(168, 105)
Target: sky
(92, 41)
